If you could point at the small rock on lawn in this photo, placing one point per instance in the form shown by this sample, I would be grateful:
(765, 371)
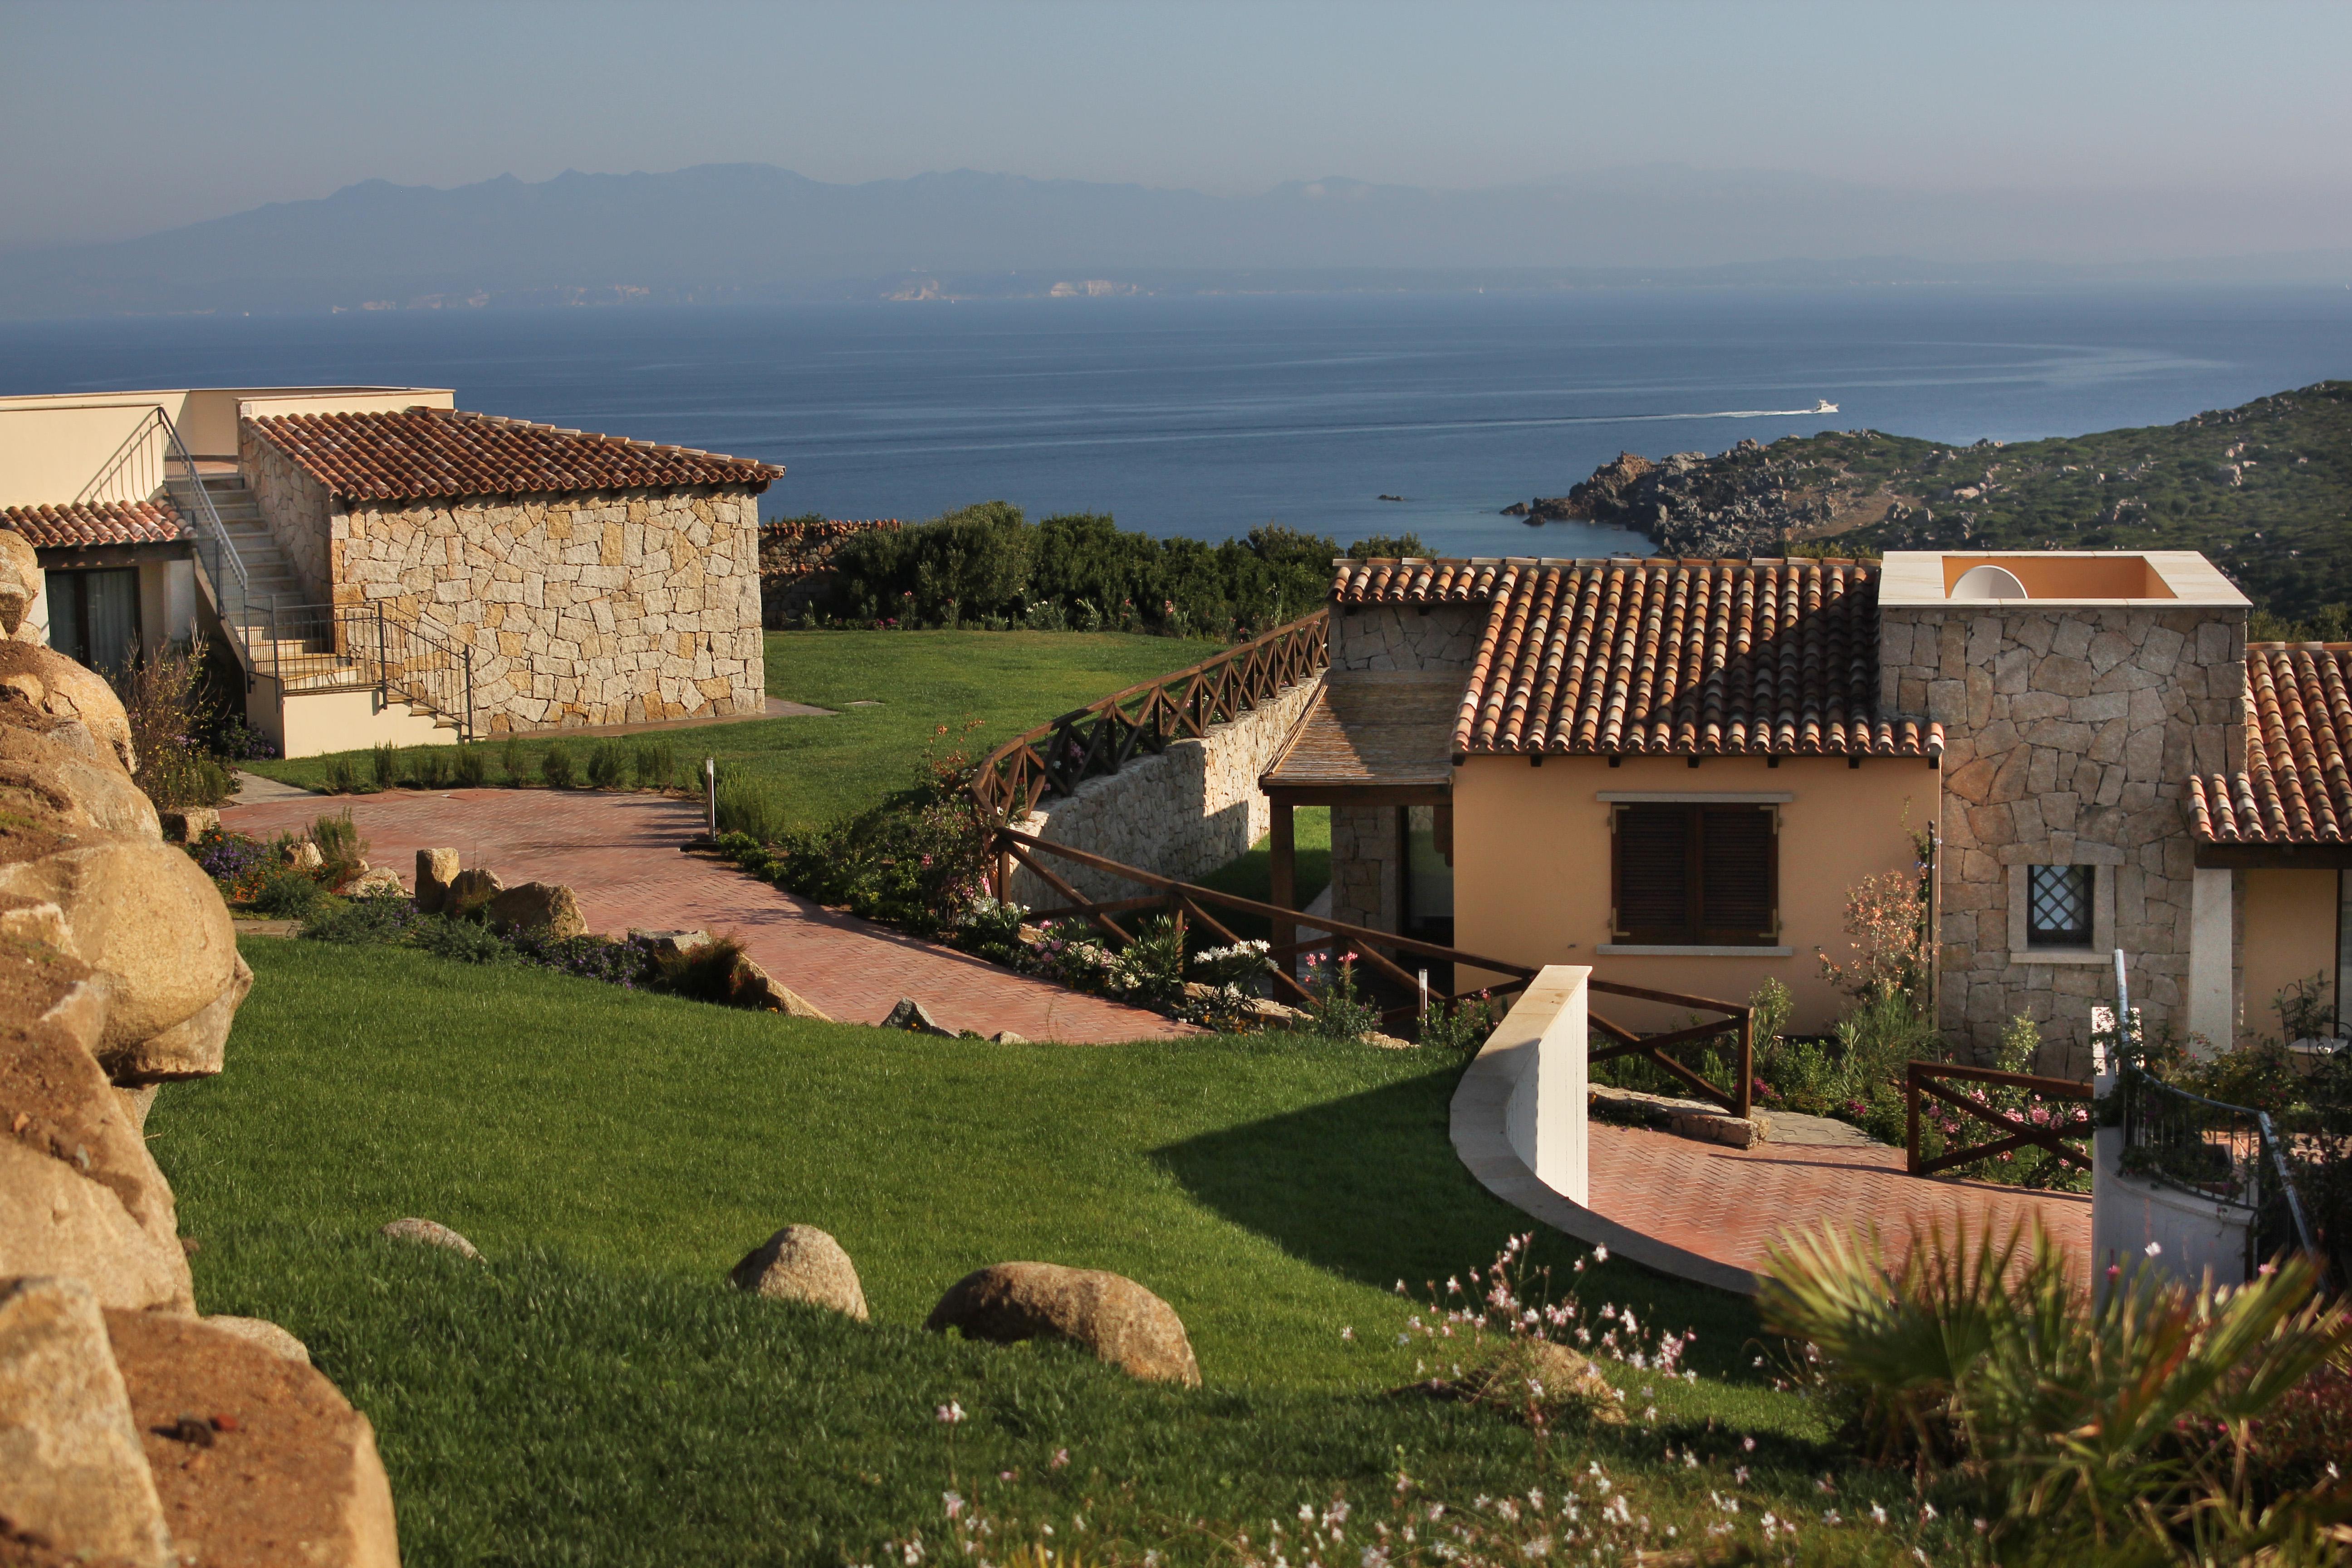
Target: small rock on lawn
(431, 1235)
(801, 1263)
(1116, 1318)
(914, 1017)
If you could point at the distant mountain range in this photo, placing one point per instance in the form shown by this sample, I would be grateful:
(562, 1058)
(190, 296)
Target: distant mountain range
(741, 231)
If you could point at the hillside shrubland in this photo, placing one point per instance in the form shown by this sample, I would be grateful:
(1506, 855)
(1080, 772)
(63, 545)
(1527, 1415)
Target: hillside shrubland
(2265, 491)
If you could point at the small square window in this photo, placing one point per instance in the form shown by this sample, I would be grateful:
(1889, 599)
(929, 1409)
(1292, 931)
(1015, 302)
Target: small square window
(2058, 906)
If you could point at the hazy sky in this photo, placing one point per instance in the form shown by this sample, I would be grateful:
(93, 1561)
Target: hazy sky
(121, 118)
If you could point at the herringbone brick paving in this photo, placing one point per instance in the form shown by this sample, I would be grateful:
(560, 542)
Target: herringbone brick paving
(1727, 1203)
(619, 852)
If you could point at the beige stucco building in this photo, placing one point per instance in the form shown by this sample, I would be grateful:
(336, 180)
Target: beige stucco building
(389, 568)
(1678, 771)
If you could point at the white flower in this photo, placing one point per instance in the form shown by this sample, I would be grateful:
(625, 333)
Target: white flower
(951, 1413)
(2154, 1248)
(1599, 1255)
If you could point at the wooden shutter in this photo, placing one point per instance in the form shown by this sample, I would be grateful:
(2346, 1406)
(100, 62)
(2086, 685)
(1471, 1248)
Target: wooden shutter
(1654, 873)
(1738, 889)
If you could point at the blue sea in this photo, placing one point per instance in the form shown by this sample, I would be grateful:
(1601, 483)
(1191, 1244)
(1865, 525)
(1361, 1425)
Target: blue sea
(1209, 416)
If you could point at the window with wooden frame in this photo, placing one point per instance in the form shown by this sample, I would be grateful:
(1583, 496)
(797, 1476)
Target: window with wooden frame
(1690, 874)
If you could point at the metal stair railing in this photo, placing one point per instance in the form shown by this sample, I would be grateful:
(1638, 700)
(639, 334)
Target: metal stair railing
(154, 458)
(330, 647)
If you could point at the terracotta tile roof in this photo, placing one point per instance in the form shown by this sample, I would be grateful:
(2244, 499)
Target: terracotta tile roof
(2295, 788)
(422, 452)
(97, 522)
(1687, 657)
(1418, 581)
(1383, 728)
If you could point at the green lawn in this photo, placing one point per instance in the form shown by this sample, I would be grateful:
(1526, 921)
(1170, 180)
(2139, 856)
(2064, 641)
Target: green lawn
(598, 1394)
(1252, 876)
(824, 768)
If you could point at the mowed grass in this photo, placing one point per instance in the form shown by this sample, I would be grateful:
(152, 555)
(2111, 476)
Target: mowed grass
(1251, 876)
(999, 683)
(597, 1393)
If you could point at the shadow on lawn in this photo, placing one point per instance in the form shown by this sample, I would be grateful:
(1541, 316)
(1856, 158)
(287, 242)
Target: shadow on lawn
(1370, 1187)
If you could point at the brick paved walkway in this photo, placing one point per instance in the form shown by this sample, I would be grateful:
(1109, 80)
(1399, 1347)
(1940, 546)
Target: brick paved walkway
(620, 853)
(1725, 1204)
(1705, 1212)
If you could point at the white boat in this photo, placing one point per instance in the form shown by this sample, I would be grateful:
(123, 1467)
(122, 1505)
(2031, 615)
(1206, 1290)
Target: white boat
(1825, 406)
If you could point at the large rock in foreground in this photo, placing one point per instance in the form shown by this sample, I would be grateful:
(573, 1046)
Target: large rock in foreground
(801, 1263)
(80, 1194)
(72, 1474)
(257, 1416)
(1116, 1318)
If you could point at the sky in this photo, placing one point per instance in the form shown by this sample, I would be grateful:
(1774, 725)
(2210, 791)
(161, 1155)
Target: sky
(119, 118)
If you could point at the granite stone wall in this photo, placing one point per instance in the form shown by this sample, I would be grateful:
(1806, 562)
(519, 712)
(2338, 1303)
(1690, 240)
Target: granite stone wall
(1367, 866)
(297, 508)
(1405, 637)
(1366, 845)
(1187, 811)
(594, 607)
(2069, 736)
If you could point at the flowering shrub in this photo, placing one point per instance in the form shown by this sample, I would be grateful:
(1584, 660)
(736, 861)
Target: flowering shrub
(237, 862)
(165, 699)
(917, 861)
(1944, 1129)
(1887, 916)
(1463, 1026)
(1243, 967)
(1337, 1012)
(992, 929)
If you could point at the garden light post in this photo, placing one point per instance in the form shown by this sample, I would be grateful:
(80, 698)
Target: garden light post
(710, 792)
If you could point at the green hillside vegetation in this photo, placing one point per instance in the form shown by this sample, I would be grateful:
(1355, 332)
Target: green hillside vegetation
(2265, 491)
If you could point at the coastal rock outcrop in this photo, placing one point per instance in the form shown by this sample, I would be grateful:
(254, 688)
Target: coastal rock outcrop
(1741, 503)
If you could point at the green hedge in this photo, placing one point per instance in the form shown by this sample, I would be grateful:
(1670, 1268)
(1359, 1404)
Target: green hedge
(988, 565)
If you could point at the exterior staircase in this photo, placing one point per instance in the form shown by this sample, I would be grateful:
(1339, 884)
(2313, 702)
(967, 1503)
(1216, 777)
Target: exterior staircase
(283, 637)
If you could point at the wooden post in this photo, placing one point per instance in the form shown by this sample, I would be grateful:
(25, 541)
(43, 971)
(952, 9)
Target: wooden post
(1283, 874)
(1742, 1101)
(1911, 1117)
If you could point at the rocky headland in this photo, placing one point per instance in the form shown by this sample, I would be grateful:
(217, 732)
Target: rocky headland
(2261, 490)
(1745, 502)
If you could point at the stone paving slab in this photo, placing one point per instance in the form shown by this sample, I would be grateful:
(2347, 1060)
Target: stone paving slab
(620, 853)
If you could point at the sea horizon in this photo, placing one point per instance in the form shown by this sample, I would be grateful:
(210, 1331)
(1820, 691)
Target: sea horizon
(1208, 416)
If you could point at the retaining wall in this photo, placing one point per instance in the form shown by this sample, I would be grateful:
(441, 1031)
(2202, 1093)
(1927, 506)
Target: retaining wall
(1187, 811)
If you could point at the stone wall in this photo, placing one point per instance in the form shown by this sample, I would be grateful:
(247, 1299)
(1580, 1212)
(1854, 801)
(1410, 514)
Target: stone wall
(2069, 736)
(1367, 866)
(1405, 637)
(1367, 843)
(297, 508)
(1190, 809)
(600, 607)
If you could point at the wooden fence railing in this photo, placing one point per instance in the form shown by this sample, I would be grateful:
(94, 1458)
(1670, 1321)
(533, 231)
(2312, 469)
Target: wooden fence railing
(1927, 1080)
(1191, 904)
(1056, 757)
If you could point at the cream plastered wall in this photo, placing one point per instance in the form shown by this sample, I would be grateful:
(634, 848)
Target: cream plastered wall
(1531, 876)
(2289, 921)
(50, 447)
